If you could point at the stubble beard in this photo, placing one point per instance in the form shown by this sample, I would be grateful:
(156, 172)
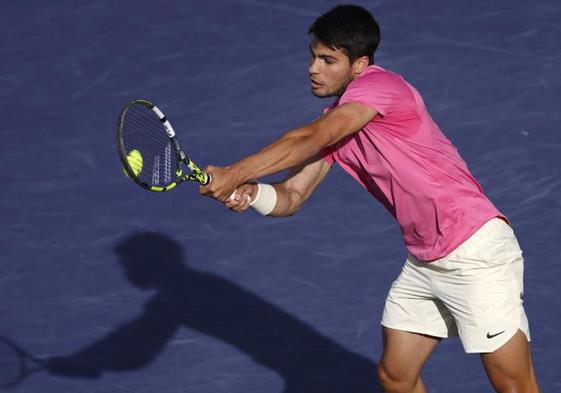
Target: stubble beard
(337, 92)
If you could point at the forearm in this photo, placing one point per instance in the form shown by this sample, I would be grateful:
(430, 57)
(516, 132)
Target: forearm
(291, 149)
(288, 202)
(284, 198)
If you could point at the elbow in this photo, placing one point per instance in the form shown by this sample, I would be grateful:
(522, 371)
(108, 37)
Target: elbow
(287, 205)
(296, 201)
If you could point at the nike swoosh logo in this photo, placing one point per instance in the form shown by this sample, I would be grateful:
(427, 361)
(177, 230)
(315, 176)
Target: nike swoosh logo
(489, 335)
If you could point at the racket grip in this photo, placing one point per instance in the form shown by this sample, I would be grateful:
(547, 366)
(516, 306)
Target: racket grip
(208, 179)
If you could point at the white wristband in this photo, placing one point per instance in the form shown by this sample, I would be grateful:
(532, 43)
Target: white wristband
(265, 200)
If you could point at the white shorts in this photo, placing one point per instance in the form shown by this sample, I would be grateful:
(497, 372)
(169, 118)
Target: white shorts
(474, 292)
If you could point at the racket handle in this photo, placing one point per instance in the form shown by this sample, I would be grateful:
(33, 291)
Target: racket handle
(208, 179)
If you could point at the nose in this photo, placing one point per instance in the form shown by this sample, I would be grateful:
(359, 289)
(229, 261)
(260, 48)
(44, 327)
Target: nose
(313, 66)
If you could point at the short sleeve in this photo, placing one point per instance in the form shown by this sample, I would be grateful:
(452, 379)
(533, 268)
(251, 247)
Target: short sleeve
(375, 90)
(327, 154)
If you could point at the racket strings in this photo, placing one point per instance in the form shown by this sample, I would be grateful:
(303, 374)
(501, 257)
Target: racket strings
(157, 160)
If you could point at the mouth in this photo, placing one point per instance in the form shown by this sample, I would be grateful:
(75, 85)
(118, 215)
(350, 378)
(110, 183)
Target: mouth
(315, 85)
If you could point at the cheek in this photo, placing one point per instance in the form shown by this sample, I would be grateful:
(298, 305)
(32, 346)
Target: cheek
(333, 78)
(338, 81)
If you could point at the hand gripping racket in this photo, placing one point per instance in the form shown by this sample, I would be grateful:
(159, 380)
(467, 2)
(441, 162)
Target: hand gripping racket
(149, 149)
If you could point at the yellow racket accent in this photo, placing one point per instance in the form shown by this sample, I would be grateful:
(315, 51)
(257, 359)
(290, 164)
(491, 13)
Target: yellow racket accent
(162, 189)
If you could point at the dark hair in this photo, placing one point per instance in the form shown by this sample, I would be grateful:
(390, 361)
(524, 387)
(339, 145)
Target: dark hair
(350, 28)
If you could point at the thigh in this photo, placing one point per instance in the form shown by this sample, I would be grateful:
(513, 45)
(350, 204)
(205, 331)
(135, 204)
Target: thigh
(404, 354)
(481, 284)
(510, 367)
(412, 306)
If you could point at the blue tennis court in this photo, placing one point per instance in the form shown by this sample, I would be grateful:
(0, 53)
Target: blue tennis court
(135, 291)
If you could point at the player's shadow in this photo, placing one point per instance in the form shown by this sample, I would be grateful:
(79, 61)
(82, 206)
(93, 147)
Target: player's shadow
(307, 360)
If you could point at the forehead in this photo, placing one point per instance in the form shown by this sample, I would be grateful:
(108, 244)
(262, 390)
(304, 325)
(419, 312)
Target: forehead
(319, 49)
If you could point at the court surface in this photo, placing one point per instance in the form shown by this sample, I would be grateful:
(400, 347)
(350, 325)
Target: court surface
(141, 292)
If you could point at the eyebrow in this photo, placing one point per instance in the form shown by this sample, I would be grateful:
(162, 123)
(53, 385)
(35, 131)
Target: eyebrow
(322, 56)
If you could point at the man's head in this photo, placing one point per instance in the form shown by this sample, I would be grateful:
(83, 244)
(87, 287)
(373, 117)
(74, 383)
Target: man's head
(343, 45)
(151, 260)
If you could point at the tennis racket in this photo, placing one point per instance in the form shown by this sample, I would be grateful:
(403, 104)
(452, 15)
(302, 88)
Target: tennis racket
(150, 151)
(16, 364)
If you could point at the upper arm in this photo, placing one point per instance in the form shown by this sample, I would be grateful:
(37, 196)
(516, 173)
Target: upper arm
(340, 122)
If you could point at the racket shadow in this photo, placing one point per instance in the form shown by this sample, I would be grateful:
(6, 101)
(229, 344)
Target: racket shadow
(185, 297)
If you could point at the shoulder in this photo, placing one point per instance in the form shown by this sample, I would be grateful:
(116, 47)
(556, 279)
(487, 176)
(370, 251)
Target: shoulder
(379, 89)
(377, 77)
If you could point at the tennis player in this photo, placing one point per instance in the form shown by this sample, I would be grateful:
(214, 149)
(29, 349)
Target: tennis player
(463, 274)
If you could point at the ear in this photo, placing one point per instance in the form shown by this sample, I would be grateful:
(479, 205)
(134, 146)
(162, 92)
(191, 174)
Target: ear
(359, 65)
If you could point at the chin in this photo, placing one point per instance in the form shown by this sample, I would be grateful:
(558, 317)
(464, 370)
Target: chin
(322, 94)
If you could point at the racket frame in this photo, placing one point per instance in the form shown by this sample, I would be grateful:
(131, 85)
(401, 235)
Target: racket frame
(195, 173)
(22, 359)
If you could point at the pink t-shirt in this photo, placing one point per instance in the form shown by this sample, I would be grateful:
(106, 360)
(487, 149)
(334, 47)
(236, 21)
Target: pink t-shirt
(404, 160)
